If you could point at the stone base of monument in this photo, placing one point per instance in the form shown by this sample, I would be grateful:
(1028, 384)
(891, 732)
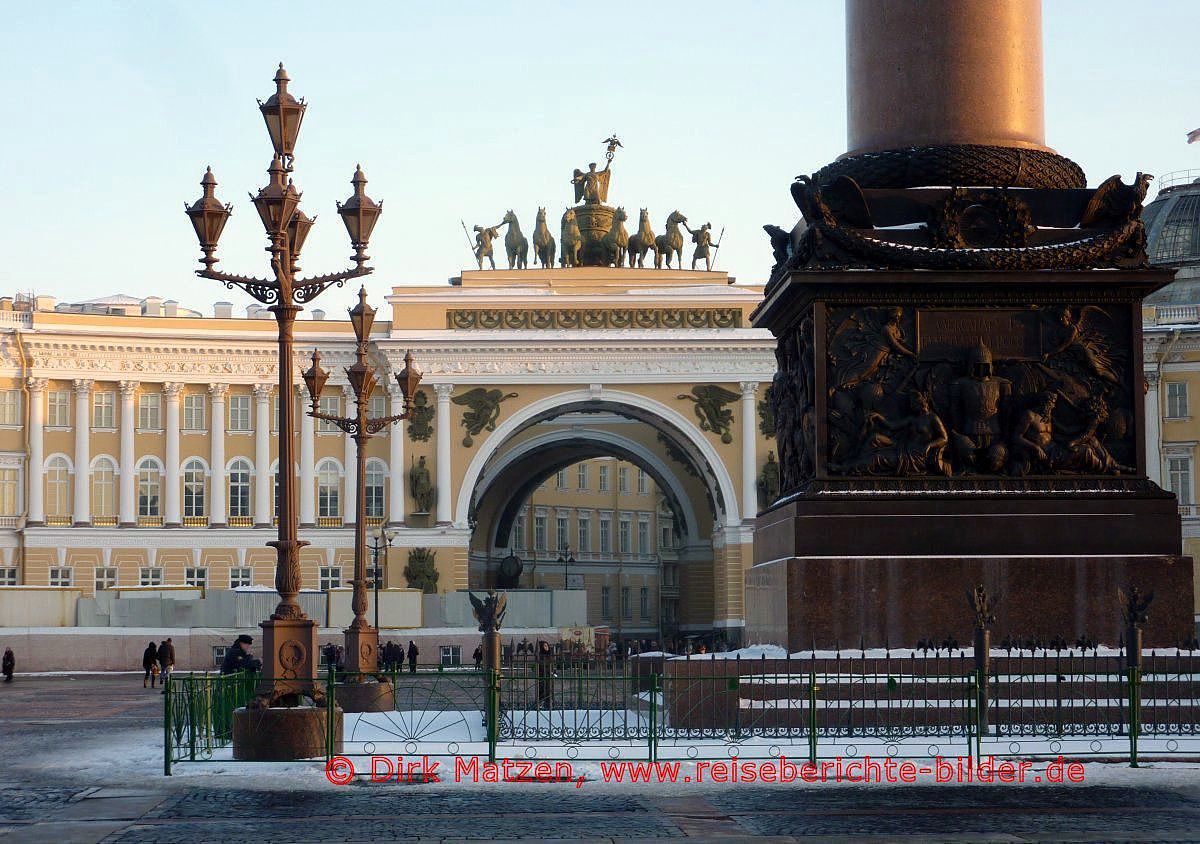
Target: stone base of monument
(367, 696)
(940, 430)
(284, 734)
(831, 602)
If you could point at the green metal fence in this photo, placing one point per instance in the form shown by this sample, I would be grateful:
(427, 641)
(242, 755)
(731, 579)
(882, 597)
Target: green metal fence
(815, 707)
(198, 714)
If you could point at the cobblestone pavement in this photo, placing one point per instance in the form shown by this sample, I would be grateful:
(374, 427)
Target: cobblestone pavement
(45, 798)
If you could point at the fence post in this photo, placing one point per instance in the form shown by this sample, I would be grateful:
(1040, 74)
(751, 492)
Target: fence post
(330, 712)
(653, 743)
(1133, 612)
(1135, 713)
(493, 710)
(191, 707)
(982, 606)
(970, 713)
(812, 717)
(167, 748)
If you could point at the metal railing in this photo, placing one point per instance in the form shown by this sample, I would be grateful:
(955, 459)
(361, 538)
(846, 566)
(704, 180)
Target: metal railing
(1066, 703)
(198, 714)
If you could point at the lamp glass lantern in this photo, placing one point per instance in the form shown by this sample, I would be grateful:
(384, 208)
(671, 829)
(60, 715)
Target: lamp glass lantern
(283, 113)
(314, 379)
(297, 232)
(208, 216)
(408, 378)
(277, 202)
(359, 213)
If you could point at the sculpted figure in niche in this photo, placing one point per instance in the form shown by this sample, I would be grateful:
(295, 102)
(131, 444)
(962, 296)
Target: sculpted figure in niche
(420, 486)
(864, 343)
(979, 400)
(768, 482)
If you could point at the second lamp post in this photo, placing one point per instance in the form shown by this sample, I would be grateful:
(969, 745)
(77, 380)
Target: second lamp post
(362, 640)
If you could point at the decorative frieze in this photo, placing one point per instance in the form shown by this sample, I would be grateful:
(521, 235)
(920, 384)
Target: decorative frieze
(593, 318)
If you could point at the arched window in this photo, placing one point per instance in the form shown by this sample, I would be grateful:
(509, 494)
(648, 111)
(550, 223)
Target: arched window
(104, 489)
(58, 488)
(194, 487)
(376, 478)
(149, 480)
(328, 490)
(240, 473)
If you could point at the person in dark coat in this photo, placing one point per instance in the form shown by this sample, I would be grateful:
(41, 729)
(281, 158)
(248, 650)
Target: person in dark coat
(478, 656)
(545, 675)
(149, 662)
(239, 658)
(412, 656)
(9, 665)
(166, 661)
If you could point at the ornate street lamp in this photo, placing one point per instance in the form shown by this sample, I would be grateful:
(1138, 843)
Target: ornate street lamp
(289, 637)
(362, 640)
(566, 559)
(381, 540)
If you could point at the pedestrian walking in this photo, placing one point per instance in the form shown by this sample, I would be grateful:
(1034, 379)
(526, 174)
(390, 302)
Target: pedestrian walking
(412, 656)
(166, 661)
(9, 665)
(478, 656)
(150, 665)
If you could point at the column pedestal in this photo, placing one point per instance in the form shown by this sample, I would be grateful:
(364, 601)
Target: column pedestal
(289, 655)
(358, 691)
(979, 441)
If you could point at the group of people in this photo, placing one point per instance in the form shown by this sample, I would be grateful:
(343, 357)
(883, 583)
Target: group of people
(158, 661)
(392, 656)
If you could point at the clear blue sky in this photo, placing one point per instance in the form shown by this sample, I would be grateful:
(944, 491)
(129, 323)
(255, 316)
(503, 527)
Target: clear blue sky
(465, 109)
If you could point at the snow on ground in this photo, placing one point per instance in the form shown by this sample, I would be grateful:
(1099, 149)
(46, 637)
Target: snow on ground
(136, 757)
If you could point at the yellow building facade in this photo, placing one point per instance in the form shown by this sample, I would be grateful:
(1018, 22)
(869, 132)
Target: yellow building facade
(138, 440)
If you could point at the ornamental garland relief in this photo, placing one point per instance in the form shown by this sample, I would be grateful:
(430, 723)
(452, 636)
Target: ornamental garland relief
(594, 318)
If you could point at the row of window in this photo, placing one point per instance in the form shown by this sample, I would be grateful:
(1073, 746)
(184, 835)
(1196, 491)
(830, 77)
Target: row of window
(582, 480)
(105, 577)
(239, 481)
(584, 533)
(626, 606)
(239, 415)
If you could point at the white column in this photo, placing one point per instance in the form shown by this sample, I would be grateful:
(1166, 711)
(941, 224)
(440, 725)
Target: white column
(749, 452)
(396, 461)
(307, 464)
(443, 391)
(172, 493)
(128, 469)
(1154, 460)
(349, 458)
(262, 455)
(37, 452)
(83, 451)
(216, 435)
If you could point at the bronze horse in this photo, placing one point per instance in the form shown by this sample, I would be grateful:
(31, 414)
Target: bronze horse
(515, 242)
(543, 242)
(643, 241)
(572, 240)
(670, 243)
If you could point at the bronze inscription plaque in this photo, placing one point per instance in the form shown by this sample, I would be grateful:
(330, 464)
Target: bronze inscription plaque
(947, 334)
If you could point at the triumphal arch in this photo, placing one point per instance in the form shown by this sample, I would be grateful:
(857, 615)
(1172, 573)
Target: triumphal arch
(585, 349)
